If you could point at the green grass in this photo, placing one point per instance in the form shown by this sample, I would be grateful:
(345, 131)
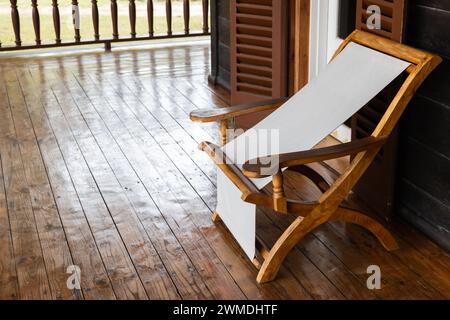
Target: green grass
(87, 32)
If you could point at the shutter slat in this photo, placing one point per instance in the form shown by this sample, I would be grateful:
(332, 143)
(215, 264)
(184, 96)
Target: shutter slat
(255, 50)
(258, 70)
(256, 80)
(254, 9)
(383, 4)
(261, 91)
(252, 19)
(254, 40)
(254, 60)
(383, 33)
(255, 30)
(371, 112)
(392, 16)
(386, 21)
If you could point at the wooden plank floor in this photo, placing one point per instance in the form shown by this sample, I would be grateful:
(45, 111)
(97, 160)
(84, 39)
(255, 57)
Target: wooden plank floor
(100, 169)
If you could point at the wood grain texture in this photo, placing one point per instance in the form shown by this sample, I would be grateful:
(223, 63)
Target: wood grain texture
(28, 255)
(135, 196)
(95, 281)
(8, 277)
(57, 255)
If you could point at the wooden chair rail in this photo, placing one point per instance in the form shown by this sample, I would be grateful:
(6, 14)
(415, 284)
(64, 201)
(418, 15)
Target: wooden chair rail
(219, 114)
(97, 38)
(255, 167)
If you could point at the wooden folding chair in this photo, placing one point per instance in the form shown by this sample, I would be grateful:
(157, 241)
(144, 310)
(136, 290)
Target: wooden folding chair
(329, 206)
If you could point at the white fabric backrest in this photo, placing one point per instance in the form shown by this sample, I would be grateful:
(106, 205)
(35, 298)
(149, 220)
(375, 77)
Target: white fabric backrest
(351, 80)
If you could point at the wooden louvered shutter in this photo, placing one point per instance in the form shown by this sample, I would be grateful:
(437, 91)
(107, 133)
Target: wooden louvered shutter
(377, 185)
(392, 17)
(258, 52)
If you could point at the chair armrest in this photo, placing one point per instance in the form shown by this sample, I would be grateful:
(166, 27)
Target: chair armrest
(214, 152)
(254, 168)
(219, 114)
(228, 168)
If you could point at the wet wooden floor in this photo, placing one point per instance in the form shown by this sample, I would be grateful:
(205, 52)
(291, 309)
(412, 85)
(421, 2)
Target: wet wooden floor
(100, 170)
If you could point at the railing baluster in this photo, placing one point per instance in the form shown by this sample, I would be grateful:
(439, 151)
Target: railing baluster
(132, 12)
(115, 21)
(95, 19)
(36, 21)
(150, 18)
(76, 20)
(187, 15)
(56, 21)
(169, 17)
(205, 16)
(15, 22)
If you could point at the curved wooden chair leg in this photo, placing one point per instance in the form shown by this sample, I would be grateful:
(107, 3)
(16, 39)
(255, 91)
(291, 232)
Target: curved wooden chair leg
(293, 234)
(378, 230)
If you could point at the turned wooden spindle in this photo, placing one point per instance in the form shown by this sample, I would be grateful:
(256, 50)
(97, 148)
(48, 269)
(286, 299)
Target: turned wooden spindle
(132, 13)
(187, 15)
(205, 6)
(76, 20)
(223, 132)
(279, 197)
(56, 21)
(169, 17)
(36, 21)
(95, 19)
(15, 22)
(114, 18)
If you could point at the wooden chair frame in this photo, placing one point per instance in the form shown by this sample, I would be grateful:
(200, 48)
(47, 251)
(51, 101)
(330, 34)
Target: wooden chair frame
(329, 206)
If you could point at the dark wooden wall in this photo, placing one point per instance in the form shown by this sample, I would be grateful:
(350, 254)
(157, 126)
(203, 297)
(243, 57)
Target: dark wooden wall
(423, 184)
(220, 43)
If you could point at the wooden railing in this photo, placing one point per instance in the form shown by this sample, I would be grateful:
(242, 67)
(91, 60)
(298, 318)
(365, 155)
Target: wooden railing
(97, 38)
